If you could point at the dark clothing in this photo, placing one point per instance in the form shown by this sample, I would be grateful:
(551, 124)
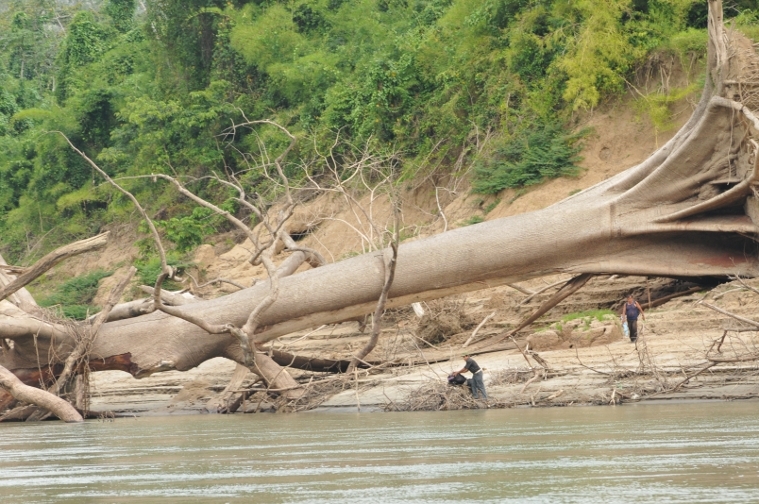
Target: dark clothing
(456, 379)
(476, 384)
(631, 311)
(631, 315)
(632, 324)
(470, 365)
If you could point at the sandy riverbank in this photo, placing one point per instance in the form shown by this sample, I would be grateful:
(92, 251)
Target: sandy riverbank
(668, 363)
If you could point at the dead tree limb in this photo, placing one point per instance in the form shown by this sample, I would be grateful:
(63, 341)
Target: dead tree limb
(171, 298)
(80, 353)
(672, 215)
(13, 270)
(745, 285)
(690, 377)
(660, 301)
(521, 289)
(51, 259)
(391, 260)
(732, 315)
(477, 329)
(314, 364)
(21, 298)
(262, 363)
(214, 281)
(540, 291)
(743, 358)
(223, 403)
(569, 288)
(38, 397)
(129, 309)
(90, 333)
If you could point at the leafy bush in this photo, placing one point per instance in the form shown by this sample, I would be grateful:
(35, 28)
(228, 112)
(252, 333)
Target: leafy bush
(74, 297)
(188, 232)
(586, 318)
(474, 219)
(688, 42)
(657, 106)
(149, 269)
(538, 153)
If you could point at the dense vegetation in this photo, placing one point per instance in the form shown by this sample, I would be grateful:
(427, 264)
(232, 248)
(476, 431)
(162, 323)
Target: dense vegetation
(149, 86)
(74, 297)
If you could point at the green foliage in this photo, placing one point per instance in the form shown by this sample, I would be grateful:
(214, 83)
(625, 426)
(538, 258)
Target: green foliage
(149, 269)
(474, 219)
(688, 42)
(599, 315)
(490, 206)
(188, 232)
(747, 19)
(586, 318)
(84, 43)
(308, 18)
(74, 297)
(96, 116)
(154, 91)
(657, 106)
(599, 55)
(272, 37)
(121, 13)
(537, 153)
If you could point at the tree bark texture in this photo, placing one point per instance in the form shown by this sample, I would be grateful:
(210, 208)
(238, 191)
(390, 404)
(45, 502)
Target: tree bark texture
(38, 397)
(690, 210)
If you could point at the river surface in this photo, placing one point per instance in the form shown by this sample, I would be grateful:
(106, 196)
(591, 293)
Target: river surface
(696, 452)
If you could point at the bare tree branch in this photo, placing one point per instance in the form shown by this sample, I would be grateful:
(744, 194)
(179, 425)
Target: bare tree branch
(84, 344)
(148, 220)
(38, 397)
(541, 290)
(51, 260)
(477, 329)
(569, 288)
(732, 315)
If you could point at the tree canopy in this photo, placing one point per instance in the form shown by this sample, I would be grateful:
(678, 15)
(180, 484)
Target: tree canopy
(148, 87)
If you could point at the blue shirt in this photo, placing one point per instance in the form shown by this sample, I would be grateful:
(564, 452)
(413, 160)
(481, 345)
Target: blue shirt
(631, 311)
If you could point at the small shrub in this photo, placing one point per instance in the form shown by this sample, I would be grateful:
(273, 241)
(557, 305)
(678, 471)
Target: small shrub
(529, 157)
(189, 231)
(689, 42)
(657, 106)
(589, 314)
(490, 206)
(148, 271)
(474, 219)
(74, 296)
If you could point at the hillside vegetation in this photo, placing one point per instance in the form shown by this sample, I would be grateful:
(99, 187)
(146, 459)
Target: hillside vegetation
(154, 86)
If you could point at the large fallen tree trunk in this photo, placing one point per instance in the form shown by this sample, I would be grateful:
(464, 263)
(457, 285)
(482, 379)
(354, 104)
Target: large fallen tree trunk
(690, 210)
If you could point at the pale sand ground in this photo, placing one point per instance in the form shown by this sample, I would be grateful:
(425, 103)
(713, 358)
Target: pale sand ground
(675, 340)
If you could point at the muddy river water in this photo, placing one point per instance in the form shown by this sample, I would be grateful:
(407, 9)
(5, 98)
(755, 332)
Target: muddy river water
(694, 452)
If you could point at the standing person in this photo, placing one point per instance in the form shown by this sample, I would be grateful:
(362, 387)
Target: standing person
(476, 383)
(630, 312)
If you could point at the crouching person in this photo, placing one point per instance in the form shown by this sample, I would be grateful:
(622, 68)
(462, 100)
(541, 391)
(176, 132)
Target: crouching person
(476, 384)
